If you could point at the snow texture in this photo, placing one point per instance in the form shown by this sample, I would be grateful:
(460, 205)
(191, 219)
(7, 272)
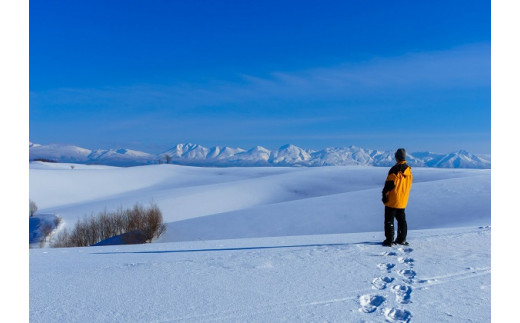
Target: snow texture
(266, 245)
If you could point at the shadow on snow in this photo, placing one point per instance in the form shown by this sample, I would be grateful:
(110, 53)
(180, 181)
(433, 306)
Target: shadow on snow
(238, 248)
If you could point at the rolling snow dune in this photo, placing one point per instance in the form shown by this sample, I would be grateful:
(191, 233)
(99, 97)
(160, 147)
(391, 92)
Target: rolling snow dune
(446, 203)
(266, 245)
(226, 203)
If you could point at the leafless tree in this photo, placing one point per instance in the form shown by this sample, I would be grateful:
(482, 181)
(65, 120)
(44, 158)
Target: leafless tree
(62, 239)
(153, 224)
(89, 231)
(168, 158)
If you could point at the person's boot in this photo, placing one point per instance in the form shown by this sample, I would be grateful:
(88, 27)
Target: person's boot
(387, 243)
(389, 234)
(402, 230)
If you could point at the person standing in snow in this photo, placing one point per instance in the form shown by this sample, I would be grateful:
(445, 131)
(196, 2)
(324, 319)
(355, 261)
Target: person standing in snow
(395, 198)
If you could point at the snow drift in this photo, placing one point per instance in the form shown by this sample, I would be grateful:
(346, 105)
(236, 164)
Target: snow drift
(226, 203)
(309, 249)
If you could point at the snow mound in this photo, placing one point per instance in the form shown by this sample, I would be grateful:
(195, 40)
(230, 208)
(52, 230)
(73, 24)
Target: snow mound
(229, 203)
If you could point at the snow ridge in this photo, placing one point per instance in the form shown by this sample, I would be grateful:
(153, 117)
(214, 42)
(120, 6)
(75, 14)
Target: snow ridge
(287, 155)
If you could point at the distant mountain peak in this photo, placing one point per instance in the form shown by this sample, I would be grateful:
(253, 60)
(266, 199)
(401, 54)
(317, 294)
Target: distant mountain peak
(286, 155)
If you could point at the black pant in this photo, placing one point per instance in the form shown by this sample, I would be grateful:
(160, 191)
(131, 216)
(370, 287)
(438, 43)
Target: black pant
(402, 228)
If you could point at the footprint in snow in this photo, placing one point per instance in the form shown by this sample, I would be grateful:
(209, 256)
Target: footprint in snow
(380, 282)
(369, 303)
(389, 253)
(405, 249)
(397, 315)
(408, 274)
(404, 260)
(386, 267)
(402, 293)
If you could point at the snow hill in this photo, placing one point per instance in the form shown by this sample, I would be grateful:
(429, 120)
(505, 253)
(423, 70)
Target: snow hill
(233, 202)
(266, 244)
(288, 155)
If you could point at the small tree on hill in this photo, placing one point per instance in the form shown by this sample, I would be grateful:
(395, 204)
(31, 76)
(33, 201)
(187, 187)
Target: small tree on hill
(168, 158)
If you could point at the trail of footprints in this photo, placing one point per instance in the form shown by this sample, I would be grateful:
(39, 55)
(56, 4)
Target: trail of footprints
(395, 282)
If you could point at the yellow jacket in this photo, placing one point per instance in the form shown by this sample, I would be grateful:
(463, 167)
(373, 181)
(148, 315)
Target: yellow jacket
(397, 186)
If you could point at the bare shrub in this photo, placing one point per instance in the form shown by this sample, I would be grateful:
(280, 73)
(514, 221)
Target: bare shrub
(153, 226)
(91, 230)
(148, 220)
(118, 219)
(135, 218)
(62, 240)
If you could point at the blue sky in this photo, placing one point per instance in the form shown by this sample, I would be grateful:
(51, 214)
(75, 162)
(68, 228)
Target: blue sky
(147, 75)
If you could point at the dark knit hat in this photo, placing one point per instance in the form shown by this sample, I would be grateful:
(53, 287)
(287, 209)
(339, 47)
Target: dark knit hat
(400, 154)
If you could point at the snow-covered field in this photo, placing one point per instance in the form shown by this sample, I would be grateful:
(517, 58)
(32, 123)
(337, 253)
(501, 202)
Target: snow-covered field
(266, 245)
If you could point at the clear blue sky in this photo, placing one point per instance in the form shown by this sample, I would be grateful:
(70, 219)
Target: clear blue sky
(147, 75)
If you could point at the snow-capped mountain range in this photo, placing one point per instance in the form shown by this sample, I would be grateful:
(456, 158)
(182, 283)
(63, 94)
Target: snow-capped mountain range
(288, 155)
